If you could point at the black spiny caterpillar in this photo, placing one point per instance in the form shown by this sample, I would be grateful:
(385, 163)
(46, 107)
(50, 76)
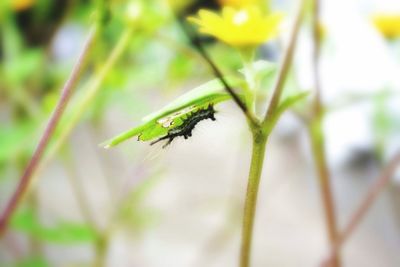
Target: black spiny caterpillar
(186, 128)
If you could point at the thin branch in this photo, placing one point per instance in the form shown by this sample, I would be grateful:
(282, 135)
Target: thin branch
(92, 91)
(196, 42)
(319, 157)
(78, 189)
(65, 96)
(79, 109)
(286, 63)
(318, 142)
(316, 56)
(365, 205)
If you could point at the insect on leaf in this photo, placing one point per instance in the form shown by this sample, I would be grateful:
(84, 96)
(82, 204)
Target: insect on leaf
(158, 123)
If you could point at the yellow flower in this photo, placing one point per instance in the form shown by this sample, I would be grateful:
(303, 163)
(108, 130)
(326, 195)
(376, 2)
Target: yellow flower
(239, 27)
(19, 5)
(388, 25)
(238, 3)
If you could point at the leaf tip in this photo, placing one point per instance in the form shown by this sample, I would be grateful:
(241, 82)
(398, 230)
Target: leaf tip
(106, 145)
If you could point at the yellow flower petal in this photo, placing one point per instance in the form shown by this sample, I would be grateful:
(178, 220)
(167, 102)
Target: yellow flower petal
(238, 3)
(208, 17)
(238, 27)
(387, 24)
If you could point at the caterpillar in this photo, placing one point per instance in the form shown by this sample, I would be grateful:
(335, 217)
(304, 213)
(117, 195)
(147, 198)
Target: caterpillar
(186, 128)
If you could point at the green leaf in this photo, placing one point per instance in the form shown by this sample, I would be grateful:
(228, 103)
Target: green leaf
(27, 261)
(24, 220)
(179, 67)
(290, 101)
(34, 261)
(22, 67)
(67, 233)
(158, 123)
(284, 105)
(264, 74)
(16, 140)
(61, 233)
(262, 69)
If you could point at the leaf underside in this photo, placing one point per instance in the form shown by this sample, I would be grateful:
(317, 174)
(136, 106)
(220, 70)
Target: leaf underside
(160, 122)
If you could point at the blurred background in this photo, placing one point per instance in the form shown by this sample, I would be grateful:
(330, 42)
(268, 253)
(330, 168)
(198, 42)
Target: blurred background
(141, 205)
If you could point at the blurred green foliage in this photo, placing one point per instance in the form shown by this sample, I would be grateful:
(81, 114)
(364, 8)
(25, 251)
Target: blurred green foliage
(158, 62)
(26, 221)
(33, 262)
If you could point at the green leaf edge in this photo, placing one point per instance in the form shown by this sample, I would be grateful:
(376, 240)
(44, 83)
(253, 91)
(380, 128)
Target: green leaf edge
(209, 92)
(286, 104)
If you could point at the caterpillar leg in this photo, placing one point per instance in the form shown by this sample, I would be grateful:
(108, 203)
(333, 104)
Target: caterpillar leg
(169, 142)
(159, 139)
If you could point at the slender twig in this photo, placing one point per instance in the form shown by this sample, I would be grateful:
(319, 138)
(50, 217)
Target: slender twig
(65, 96)
(93, 88)
(319, 157)
(317, 141)
(366, 203)
(196, 42)
(370, 197)
(285, 65)
(79, 191)
(316, 55)
(101, 242)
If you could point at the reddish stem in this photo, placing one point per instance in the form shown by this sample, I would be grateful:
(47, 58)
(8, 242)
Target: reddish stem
(365, 205)
(66, 93)
(318, 142)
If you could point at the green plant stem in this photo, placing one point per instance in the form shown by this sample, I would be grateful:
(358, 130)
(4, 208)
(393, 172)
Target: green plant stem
(260, 132)
(36, 246)
(251, 87)
(101, 248)
(66, 93)
(257, 160)
(285, 65)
